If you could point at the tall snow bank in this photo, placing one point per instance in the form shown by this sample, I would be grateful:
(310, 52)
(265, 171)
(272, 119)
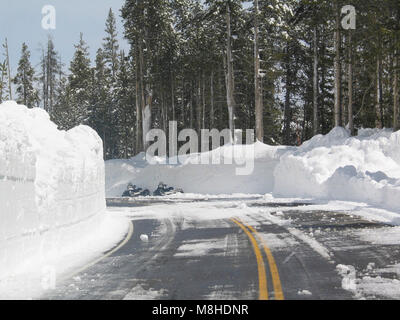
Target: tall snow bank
(337, 166)
(192, 177)
(51, 186)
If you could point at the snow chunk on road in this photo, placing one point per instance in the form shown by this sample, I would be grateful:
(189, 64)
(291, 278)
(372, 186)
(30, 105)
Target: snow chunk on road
(348, 274)
(304, 293)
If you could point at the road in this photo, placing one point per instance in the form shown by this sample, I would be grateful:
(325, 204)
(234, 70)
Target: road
(243, 248)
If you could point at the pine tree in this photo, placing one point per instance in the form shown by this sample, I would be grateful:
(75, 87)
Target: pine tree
(124, 116)
(100, 118)
(110, 45)
(50, 70)
(79, 85)
(24, 80)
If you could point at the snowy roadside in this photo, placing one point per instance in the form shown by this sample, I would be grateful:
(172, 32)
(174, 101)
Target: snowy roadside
(35, 276)
(52, 201)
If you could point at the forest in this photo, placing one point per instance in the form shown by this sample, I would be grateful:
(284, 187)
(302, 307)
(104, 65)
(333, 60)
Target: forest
(286, 68)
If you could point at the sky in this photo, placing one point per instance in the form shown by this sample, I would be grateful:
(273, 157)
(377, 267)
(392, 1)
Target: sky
(21, 21)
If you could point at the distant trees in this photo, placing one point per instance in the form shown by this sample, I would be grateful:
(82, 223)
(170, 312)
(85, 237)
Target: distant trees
(284, 67)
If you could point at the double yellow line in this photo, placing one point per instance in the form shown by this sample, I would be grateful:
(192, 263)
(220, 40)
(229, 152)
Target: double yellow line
(262, 275)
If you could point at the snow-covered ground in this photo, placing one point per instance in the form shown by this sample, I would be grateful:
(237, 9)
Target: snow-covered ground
(364, 169)
(52, 199)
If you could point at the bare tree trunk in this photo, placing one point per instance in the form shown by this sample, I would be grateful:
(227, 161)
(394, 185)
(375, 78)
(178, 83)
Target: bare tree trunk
(322, 86)
(378, 105)
(350, 85)
(138, 110)
(44, 63)
(203, 95)
(212, 99)
(183, 115)
(287, 110)
(337, 67)
(145, 102)
(191, 105)
(50, 78)
(395, 93)
(198, 105)
(230, 83)
(146, 116)
(257, 86)
(173, 96)
(8, 70)
(315, 85)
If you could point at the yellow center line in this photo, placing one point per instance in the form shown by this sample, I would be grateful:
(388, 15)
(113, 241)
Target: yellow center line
(262, 278)
(127, 238)
(276, 281)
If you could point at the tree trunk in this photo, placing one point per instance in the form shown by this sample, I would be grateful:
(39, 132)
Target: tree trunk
(350, 85)
(173, 96)
(230, 84)
(198, 105)
(203, 103)
(9, 71)
(212, 100)
(146, 115)
(287, 110)
(257, 86)
(395, 93)
(191, 105)
(145, 101)
(315, 85)
(138, 110)
(378, 105)
(337, 67)
(183, 115)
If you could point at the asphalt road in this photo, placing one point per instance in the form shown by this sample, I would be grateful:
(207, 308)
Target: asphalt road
(254, 257)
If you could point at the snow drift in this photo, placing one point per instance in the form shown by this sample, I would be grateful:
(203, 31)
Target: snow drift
(199, 178)
(51, 187)
(365, 168)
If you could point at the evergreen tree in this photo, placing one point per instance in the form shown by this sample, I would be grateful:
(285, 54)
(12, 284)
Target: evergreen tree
(111, 46)
(50, 69)
(24, 80)
(79, 85)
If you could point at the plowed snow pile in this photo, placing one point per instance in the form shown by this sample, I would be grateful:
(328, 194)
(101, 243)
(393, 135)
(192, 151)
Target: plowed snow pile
(52, 200)
(365, 168)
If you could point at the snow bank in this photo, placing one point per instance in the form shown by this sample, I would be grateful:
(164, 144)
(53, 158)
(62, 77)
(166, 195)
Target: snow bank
(336, 166)
(199, 178)
(365, 168)
(51, 186)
